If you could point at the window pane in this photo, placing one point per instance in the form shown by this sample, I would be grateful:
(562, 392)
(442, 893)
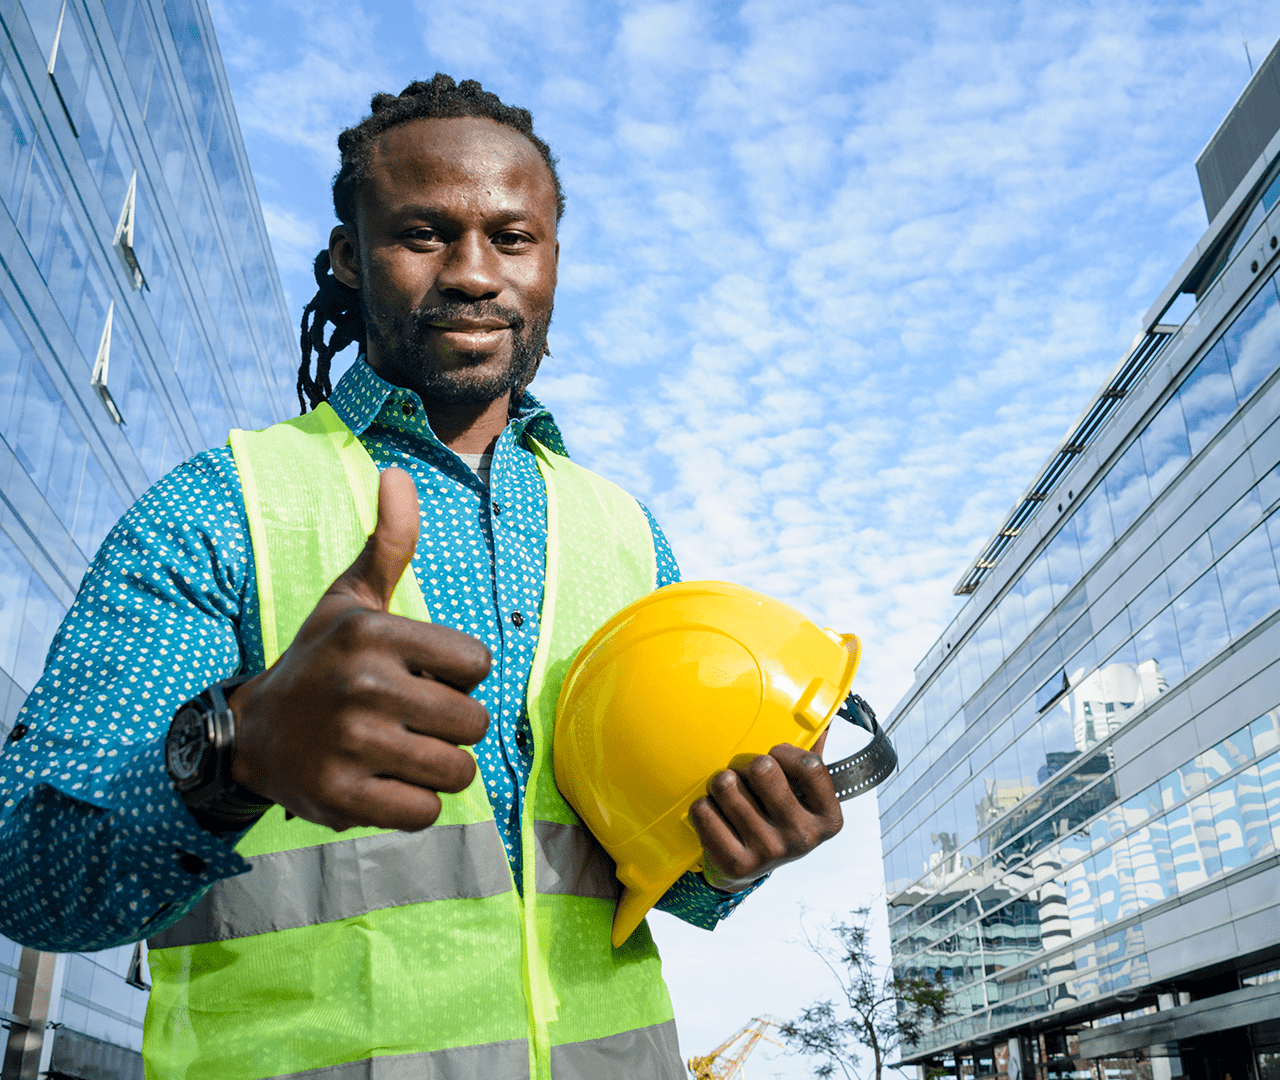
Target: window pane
(1258, 838)
(1208, 397)
(164, 126)
(1269, 772)
(1253, 342)
(15, 367)
(1250, 584)
(91, 317)
(1012, 615)
(1093, 526)
(40, 618)
(98, 510)
(1063, 555)
(1165, 446)
(1037, 595)
(1158, 651)
(1190, 564)
(1265, 732)
(1202, 622)
(1126, 486)
(1144, 606)
(16, 139)
(66, 271)
(1243, 515)
(38, 217)
(139, 57)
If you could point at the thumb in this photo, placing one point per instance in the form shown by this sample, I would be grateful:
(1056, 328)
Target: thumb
(377, 570)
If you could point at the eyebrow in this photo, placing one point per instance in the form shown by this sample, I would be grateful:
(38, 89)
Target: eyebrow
(437, 213)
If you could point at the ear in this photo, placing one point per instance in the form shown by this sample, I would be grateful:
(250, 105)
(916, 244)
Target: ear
(344, 255)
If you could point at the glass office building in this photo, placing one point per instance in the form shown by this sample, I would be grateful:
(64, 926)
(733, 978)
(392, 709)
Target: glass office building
(141, 316)
(1084, 836)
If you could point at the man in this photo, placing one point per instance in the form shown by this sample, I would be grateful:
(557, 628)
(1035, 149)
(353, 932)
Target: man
(474, 940)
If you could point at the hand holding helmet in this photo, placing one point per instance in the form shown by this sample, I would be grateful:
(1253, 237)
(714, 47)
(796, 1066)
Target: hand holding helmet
(762, 812)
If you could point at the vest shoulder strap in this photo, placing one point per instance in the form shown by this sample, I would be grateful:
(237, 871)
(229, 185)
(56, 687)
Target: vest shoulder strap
(311, 497)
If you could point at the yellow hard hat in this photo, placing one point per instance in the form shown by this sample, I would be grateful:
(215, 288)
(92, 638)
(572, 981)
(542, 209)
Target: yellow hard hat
(663, 696)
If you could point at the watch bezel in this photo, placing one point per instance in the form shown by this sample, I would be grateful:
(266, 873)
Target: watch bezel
(189, 720)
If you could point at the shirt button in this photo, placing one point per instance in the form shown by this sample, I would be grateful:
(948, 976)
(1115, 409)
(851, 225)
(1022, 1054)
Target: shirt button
(521, 739)
(497, 509)
(192, 864)
(517, 619)
(408, 408)
(18, 731)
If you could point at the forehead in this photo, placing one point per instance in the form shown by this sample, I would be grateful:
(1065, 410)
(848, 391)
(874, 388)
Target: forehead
(468, 158)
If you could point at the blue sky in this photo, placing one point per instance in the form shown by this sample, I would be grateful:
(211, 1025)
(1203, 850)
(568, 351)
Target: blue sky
(835, 279)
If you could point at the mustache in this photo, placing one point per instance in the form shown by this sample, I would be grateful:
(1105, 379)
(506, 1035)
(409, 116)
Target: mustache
(476, 309)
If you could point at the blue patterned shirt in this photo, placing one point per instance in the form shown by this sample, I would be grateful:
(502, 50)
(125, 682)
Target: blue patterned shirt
(96, 848)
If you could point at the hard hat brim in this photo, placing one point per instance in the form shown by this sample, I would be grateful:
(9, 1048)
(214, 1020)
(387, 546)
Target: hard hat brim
(634, 905)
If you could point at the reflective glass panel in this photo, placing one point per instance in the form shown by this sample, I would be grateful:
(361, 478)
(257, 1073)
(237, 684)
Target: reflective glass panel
(1160, 655)
(1126, 484)
(1165, 446)
(1250, 583)
(41, 202)
(1253, 342)
(140, 58)
(1093, 527)
(1208, 397)
(1202, 622)
(16, 139)
(1228, 820)
(1063, 555)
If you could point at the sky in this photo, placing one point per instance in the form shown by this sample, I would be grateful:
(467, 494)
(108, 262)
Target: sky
(835, 280)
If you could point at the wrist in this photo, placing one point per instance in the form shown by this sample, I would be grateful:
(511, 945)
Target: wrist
(200, 755)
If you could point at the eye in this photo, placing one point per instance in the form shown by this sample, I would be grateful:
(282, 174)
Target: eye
(425, 234)
(511, 239)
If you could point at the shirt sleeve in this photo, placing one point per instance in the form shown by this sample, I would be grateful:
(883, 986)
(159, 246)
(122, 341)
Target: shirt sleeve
(96, 847)
(690, 898)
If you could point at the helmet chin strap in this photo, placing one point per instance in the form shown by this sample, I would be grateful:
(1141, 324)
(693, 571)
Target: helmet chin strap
(873, 763)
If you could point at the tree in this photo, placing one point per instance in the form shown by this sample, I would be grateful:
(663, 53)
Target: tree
(880, 1011)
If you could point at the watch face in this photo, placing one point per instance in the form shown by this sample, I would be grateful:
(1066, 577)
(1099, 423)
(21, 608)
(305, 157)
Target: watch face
(185, 747)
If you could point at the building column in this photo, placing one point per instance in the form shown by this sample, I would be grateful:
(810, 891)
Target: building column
(30, 1000)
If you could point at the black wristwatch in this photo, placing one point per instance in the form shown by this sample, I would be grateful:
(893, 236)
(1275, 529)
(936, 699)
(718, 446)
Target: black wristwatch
(199, 751)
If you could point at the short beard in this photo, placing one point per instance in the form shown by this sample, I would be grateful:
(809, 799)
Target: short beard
(402, 352)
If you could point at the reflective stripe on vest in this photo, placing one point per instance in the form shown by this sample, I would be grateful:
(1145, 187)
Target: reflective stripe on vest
(348, 878)
(391, 951)
(595, 1059)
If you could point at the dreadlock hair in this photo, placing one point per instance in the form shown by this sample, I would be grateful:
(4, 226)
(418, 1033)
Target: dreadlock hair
(337, 304)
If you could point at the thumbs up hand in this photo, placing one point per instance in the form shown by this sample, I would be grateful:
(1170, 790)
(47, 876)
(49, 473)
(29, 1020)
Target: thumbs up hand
(360, 721)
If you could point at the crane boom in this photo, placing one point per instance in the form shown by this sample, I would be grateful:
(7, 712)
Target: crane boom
(725, 1062)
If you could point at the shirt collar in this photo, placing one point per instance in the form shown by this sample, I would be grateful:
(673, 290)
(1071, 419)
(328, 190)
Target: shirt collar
(363, 398)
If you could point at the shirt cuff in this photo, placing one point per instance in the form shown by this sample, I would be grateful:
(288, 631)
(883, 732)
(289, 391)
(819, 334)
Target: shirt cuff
(83, 873)
(697, 903)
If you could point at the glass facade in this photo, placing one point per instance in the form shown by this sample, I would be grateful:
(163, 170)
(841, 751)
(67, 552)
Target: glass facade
(141, 317)
(1092, 750)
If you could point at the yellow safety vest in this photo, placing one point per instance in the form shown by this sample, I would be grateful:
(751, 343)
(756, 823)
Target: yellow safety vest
(382, 955)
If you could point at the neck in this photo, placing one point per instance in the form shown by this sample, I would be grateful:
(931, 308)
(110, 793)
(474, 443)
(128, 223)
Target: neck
(469, 429)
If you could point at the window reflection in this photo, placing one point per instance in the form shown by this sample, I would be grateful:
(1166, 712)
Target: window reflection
(1208, 397)
(1253, 342)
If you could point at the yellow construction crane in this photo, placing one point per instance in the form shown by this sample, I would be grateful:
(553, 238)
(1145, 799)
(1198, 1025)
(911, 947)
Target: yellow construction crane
(726, 1060)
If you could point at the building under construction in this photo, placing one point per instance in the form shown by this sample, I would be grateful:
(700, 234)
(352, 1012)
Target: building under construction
(1085, 833)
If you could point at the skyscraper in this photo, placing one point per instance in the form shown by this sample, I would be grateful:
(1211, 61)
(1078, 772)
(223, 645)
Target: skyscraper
(1084, 836)
(141, 317)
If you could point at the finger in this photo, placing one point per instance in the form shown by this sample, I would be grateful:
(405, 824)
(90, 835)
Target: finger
(741, 798)
(720, 843)
(810, 782)
(410, 648)
(388, 803)
(377, 570)
(382, 748)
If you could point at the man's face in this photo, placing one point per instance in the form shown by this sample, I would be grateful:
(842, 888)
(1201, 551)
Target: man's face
(454, 253)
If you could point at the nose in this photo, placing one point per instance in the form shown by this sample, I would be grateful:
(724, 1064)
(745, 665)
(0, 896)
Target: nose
(470, 269)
